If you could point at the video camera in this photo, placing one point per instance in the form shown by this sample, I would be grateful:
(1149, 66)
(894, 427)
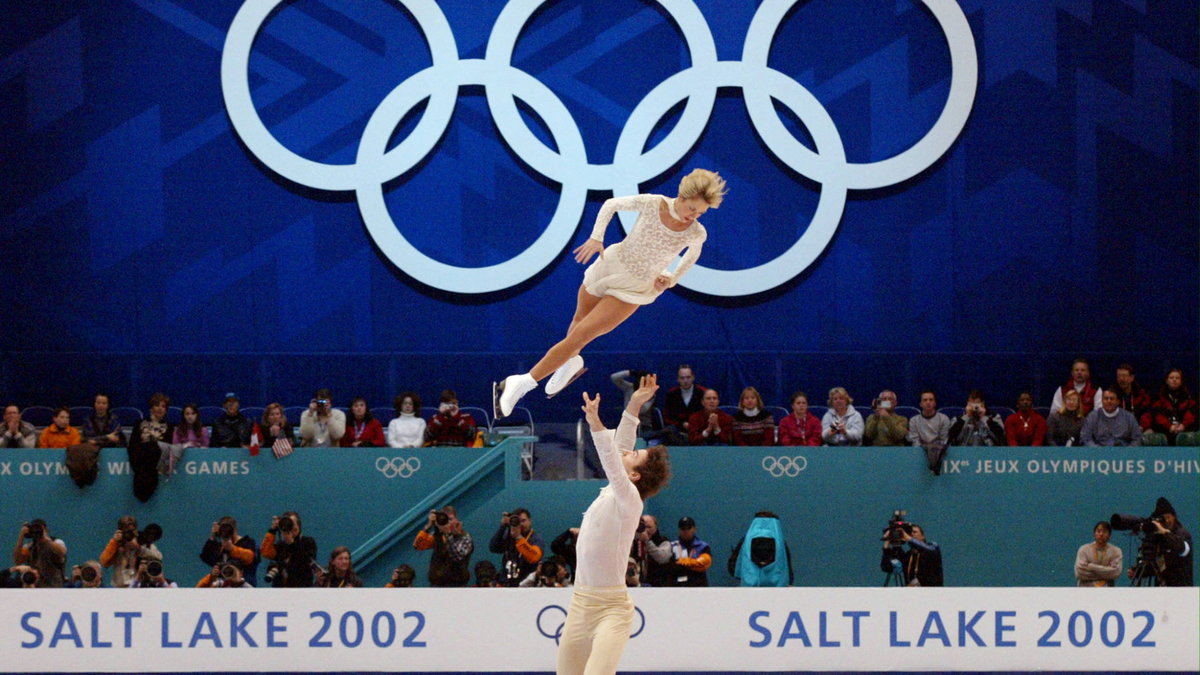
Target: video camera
(1135, 524)
(896, 526)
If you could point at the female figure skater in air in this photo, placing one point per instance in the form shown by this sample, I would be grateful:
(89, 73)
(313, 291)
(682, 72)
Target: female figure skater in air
(627, 275)
(601, 613)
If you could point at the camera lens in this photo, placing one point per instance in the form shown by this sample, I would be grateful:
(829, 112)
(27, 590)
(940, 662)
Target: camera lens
(228, 571)
(286, 524)
(441, 518)
(225, 530)
(154, 568)
(29, 578)
(88, 573)
(514, 521)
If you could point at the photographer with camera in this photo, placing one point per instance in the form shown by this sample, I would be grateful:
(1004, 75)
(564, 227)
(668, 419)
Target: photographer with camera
(452, 548)
(1166, 549)
(322, 425)
(20, 576)
(87, 575)
(450, 427)
(402, 577)
(45, 555)
(225, 543)
(520, 545)
(1097, 563)
(975, 426)
(150, 575)
(550, 573)
(225, 575)
(842, 424)
(293, 555)
(126, 549)
(885, 427)
(921, 563)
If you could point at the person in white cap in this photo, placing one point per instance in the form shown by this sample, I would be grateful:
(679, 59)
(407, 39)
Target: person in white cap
(626, 276)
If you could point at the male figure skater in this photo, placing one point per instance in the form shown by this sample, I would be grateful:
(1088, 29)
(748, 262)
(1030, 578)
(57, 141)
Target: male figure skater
(601, 613)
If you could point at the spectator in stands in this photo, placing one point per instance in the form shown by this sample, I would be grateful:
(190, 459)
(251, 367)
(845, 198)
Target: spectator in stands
(17, 433)
(144, 449)
(762, 558)
(681, 403)
(407, 429)
(452, 548)
(190, 433)
(930, 430)
(341, 571)
(125, 551)
(800, 428)
(362, 429)
(842, 424)
(232, 429)
(44, 554)
(656, 563)
(921, 564)
(226, 575)
(1110, 424)
(60, 433)
(275, 427)
(693, 557)
(322, 425)
(975, 426)
(87, 575)
(402, 577)
(711, 425)
(1097, 563)
(151, 575)
(485, 574)
(1081, 382)
(450, 426)
(102, 427)
(626, 381)
(752, 424)
(225, 543)
(1173, 411)
(1026, 427)
(885, 427)
(520, 546)
(292, 553)
(1134, 396)
(1065, 424)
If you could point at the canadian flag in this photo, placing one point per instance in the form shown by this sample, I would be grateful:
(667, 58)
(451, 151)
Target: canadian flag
(254, 442)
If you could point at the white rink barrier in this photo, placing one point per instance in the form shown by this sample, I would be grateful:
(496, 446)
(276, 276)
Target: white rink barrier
(725, 629)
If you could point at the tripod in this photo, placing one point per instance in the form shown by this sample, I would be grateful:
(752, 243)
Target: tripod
(895, 576)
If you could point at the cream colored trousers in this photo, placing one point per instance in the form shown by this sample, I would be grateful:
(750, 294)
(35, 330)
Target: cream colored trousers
(599, 621)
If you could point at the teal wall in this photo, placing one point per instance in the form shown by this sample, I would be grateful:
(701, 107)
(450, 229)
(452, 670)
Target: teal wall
(996, 529)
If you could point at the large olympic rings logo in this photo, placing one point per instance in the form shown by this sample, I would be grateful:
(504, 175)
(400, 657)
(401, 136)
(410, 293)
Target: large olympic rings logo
(552, 619)
(779, 467)
(568, 165)
(403, 467)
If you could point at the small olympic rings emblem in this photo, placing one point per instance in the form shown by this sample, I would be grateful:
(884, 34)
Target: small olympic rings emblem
(552, 619)
(568, 165)
(403, 467)
(784, 466)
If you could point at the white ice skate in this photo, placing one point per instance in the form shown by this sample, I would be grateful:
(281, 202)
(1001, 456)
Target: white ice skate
(565, 375)
(508, 392)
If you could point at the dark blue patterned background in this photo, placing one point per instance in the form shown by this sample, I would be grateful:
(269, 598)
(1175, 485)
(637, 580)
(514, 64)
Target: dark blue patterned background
(145, 247)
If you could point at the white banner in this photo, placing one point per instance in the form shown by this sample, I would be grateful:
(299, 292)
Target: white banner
(726, 629)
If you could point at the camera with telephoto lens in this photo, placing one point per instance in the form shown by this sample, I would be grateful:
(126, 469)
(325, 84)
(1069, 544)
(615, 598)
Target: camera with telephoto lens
(34, 531)
(154, 568)
(441, 518)
(225, 531)
(896, 528)
(549, 573)
(1135, 524)
(273, 571)
(641, 526)
(286, 524)
(29, 578)
(88, 574)
(229, 571)
(514, 520)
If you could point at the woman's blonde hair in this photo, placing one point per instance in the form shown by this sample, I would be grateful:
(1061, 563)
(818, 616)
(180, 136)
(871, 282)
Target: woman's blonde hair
(1078, 411)
(705, 184)
(843, 392)
(757, 397)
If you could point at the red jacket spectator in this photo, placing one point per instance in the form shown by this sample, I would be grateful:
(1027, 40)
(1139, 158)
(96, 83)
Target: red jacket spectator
(1025, 428)
(369, 434)
(795, 432)
(698, 426)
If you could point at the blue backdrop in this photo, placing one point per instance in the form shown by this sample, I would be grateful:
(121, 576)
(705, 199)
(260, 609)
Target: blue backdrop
(148, 245)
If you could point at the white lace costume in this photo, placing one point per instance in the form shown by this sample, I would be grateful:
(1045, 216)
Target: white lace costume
(627, 270)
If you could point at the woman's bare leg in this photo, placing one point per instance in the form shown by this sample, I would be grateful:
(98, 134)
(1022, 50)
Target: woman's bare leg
(589, 323)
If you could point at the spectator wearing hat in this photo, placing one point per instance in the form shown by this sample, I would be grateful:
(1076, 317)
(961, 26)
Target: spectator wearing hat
(232, 429)
(693, 556)
(1175, 545)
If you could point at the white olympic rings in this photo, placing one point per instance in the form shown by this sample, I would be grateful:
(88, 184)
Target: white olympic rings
(568, 164)
(403, 467)
(779, 467)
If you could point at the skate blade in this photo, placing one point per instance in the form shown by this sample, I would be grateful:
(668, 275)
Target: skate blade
(573, 378)
(497, 389)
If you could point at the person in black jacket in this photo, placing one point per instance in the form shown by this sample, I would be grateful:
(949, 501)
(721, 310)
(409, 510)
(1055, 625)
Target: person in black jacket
(144, 447)
(225, 543)
(921, 563)
(293, 554)
(1174, 544)
(232, 429)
